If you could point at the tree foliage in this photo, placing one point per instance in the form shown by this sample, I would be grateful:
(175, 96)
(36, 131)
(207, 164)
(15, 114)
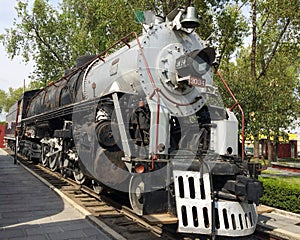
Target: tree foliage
(12, 97)
(55, 37)
(3, 96)
(266, 75)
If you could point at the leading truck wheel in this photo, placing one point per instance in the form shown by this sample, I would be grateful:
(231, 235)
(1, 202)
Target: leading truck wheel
(78, 174)
(97, 187)
(136, 194)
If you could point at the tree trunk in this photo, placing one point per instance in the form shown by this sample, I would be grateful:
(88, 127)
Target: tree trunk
(253, 68)
(254, 40)
(276, 148)
(256, 147)
(270, 155)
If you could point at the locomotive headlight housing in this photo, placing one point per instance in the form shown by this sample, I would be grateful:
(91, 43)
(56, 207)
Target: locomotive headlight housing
(195, 63)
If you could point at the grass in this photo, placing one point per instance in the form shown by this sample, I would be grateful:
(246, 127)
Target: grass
(291, 180)
(270, 172)
(265, 163)
(281, 192)
(295, 181)
(281, 160)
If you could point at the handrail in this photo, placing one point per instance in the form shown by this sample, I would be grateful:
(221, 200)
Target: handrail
(236, 103)
(84, 66)
(155, 92)
(98, 56)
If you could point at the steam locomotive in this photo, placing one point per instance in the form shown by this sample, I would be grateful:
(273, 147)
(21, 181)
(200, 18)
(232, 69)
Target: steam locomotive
(146, 119)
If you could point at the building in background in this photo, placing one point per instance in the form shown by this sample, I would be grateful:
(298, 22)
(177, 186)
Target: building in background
(298, 144)
(287, 148)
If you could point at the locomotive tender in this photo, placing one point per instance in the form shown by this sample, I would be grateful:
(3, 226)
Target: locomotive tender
(147, 120)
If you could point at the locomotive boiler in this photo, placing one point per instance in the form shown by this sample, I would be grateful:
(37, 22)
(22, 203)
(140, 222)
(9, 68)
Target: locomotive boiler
(146, 119)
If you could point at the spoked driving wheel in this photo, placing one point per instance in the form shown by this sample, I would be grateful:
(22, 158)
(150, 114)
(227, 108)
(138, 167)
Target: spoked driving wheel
(136, 194)
(78, 174)
(54, 159)
(44, 158)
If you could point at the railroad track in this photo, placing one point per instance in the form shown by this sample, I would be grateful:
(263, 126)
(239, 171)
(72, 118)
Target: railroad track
(115, 213)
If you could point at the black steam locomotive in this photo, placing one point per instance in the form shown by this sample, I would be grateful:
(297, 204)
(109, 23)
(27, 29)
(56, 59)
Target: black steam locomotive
(147, 120)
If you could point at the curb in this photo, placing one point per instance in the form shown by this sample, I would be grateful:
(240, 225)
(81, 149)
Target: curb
(277, 232)
(288, 214)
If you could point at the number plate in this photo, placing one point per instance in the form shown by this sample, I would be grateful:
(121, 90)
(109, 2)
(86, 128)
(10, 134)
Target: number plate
(197, 82)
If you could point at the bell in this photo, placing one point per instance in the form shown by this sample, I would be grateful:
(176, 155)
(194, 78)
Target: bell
(190, 20)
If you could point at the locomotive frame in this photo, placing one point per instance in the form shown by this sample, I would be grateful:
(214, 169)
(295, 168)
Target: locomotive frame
(147, 120)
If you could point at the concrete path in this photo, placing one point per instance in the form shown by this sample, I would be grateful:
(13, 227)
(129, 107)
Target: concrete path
(31, 210)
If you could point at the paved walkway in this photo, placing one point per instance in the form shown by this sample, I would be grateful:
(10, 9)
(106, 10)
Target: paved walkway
(30, 210)
(281, 223)
(280, 172)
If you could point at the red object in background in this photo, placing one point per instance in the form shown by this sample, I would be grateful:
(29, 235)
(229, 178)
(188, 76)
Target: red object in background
(285, 150)
(2, 131)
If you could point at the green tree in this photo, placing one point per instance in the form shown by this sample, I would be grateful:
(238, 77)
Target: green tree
(38, 36)
(273, 42)
(12, 97)
(54, 38)
(266, 75)
(3, 97)
(283, 101)
(230, 31)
